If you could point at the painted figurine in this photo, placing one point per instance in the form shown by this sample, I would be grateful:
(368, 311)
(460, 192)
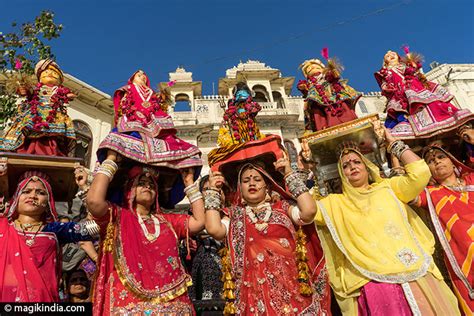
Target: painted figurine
(42, 125)
(329, 101)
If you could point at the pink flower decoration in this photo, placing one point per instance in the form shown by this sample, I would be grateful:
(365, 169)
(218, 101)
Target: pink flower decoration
(171, 83)
(18, 64)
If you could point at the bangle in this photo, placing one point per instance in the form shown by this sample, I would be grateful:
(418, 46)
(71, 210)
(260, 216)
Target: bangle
(192, 192)
(295, 184)
(90, 228)
(212, 200)
(397, 148)
(108, 168)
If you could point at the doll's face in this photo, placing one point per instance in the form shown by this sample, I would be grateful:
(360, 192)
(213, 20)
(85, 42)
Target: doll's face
(140, 78)
(313, 70)
(391, 58)
(50, 76)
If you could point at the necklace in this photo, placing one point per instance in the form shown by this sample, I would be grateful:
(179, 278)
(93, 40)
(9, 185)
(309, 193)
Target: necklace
(30, 241)
(150, 237)
(260, 224)
(457, 185)
(145, 94)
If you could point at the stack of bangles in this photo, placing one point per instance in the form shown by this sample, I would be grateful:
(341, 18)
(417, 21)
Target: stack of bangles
(295, 184)
(107, 167)
(212, 199)
(193, 193)
(397, 148)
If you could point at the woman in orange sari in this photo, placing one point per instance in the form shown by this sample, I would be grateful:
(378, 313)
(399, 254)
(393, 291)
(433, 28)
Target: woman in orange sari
(265, 248)
(451, 205)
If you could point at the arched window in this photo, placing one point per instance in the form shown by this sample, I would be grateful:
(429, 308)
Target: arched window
(261, 94)
(182, 103)
(363, 107)
(278, 99)
(292, 153)
(83, 141)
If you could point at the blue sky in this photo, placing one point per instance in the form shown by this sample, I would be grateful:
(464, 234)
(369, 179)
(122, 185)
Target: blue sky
(104, 42)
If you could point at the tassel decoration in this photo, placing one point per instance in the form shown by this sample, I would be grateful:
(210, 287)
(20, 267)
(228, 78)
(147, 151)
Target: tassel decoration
(303, 268)
(229, 284)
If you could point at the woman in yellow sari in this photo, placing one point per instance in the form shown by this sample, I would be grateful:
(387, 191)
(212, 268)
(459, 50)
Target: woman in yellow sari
(378, 251)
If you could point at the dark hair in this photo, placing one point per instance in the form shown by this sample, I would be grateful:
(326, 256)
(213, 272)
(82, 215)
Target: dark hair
(202, 182)
(241, 86)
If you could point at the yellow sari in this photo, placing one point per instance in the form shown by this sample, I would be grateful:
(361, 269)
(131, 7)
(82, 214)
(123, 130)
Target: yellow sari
(371, 234)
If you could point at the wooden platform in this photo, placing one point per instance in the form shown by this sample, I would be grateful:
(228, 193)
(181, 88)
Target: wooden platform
(59, 169)
(366, 132)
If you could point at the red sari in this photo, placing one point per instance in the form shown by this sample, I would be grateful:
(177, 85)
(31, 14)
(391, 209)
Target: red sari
(28, 273)
(452, 213)
(265, 267)
(138, 275)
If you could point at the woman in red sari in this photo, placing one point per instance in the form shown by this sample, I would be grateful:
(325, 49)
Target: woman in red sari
(267, 254)
(30, 239)
(451, 205)
(140, 271)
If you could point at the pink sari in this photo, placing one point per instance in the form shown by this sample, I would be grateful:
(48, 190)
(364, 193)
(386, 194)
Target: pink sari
(136, 275)
(28, 274)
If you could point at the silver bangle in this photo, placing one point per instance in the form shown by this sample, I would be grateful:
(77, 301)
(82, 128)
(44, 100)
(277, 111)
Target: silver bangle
(192, 192)
(295, 184)
(212, 200)
(397, 148)
(90, 228)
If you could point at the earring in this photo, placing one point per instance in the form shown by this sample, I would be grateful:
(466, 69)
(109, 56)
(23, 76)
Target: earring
(268, 198)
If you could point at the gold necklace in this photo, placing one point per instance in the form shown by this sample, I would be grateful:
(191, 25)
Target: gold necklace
(30, 241)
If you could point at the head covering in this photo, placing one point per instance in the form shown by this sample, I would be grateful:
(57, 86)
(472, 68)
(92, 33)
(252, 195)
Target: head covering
(274, 186)
(43, 64)
(51, 214)
(460, 168)
(356, 194)
(134, 175)
(308, 62)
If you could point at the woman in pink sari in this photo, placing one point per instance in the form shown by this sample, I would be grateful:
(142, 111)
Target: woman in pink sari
(30, 239)
(276, 271)
(139, 266)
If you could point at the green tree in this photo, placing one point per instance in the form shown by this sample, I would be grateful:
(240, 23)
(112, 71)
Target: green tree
(20, 50)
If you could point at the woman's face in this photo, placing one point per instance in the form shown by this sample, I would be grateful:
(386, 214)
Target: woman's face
(313, 70)
(253, 187)
(140, 78)
(391, 58)
(145, 193)
(33, 199)
(50, 76)
(440, 164)
(355, 170)
(78, 284)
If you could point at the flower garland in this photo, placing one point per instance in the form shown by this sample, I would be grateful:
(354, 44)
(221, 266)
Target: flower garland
(130, 110)
(232, 115)
(58, 99)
